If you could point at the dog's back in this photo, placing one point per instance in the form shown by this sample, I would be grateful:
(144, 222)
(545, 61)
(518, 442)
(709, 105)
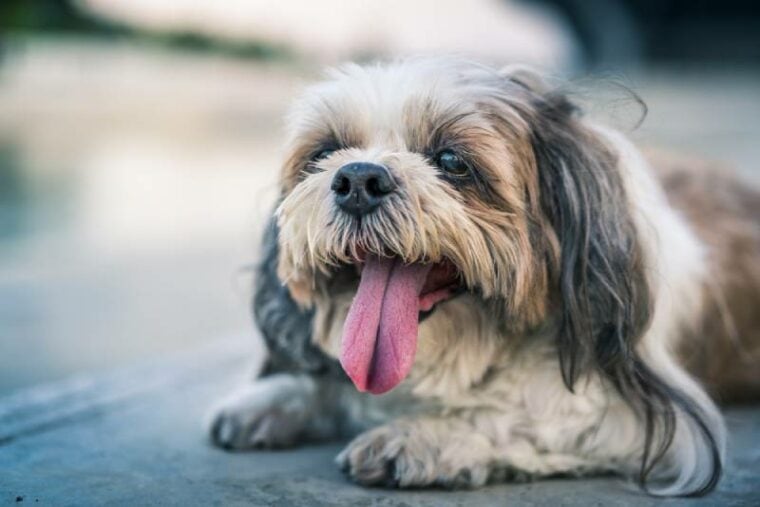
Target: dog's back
(723, 350)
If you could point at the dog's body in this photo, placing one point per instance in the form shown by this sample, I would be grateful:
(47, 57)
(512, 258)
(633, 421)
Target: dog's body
(565, 283)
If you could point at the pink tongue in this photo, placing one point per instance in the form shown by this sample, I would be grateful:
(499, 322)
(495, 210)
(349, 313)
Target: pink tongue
(380, 332)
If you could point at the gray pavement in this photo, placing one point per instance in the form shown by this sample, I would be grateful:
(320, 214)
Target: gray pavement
(135, 438)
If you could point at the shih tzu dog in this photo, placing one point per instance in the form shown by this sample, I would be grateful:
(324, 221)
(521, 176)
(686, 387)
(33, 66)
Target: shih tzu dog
(483, 285)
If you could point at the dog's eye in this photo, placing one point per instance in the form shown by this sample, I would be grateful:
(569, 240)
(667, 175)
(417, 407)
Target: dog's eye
(311, 165)
(323, 154)
(452, 163)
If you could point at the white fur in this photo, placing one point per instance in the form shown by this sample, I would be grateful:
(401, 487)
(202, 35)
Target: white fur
(678, 271)
(272, 412)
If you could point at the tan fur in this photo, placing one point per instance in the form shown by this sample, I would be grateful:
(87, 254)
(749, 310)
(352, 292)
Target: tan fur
(723, 348)
(426, 220)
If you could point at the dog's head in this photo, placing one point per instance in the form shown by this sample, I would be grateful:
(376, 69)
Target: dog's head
(447, 189)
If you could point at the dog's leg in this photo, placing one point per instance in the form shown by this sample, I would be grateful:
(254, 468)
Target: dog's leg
(451, 452)
(274, 411)
(419, 452)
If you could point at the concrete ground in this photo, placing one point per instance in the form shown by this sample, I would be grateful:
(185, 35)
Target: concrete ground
(135, 438)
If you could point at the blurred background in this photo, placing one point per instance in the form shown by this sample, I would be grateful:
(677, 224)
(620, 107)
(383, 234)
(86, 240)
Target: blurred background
(140, 140)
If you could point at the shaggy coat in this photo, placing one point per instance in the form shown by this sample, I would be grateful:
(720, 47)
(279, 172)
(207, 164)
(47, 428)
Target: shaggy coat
(591, 285)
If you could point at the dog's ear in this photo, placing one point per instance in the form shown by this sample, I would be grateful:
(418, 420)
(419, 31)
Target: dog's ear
(602, 297)
(603, 301)
(527, 77)
(286, 327)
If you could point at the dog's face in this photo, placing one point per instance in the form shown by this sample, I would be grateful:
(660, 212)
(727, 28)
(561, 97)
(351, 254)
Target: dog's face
(415, 189)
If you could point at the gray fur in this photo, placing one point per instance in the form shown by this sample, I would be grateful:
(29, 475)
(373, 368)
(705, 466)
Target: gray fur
(286, 328)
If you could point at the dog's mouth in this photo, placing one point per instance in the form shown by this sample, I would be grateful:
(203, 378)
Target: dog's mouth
(380, 332)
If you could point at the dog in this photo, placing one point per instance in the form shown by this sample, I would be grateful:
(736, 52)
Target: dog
(484, 285)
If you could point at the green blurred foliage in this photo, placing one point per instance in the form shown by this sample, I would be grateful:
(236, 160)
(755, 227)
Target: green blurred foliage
(50, 15)
(62, 17)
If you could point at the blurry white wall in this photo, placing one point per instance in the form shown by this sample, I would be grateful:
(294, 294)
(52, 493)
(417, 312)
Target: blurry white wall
(497, 31)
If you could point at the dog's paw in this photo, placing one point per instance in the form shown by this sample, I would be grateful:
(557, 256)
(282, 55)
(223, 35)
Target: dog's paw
(413, 455)
(270, 413)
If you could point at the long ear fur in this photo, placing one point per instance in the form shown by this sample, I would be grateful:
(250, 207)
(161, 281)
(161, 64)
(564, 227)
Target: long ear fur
(286, 327)
(603, 302)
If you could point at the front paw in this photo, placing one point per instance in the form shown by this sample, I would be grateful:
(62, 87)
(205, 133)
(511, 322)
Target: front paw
(414, 454)
(271, 413)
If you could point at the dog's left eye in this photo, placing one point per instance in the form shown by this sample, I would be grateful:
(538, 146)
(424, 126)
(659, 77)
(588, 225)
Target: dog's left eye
(452, 163)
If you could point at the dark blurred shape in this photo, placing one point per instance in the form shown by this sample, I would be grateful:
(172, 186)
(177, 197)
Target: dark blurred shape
(62, 17)
(49, 15)
(12, 193)
(620, 32)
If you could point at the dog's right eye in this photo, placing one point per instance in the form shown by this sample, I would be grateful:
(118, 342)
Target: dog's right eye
(318, 156)
(322, 154)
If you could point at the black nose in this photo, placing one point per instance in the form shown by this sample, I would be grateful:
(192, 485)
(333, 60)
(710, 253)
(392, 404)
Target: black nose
(360, 187)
